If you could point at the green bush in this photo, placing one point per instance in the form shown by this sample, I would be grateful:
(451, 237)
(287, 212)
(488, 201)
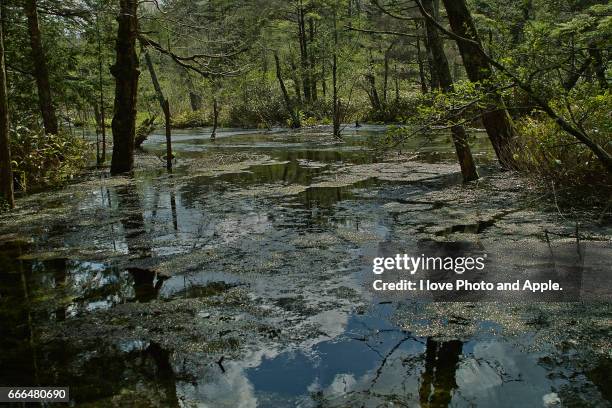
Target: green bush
(398, 110)
(189, 119)
(260, 104)
(41, 160)
(547, 152)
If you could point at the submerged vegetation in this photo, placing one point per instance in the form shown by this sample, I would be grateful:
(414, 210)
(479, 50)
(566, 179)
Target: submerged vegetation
(191, 193)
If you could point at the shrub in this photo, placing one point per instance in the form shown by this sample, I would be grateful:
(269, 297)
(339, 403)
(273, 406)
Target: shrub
(259, 104)
(189, 119)
(42, 160)
(398, 110)
(547, 152)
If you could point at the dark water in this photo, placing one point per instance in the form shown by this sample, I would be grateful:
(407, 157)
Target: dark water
(358, 353)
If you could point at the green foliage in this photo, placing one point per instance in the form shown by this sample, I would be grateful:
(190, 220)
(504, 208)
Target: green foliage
(554, 156)
(257, 102)
(41, 160)
(190, 119)
(397, 110)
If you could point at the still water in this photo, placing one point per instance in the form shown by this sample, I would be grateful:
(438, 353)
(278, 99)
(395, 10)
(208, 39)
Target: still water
(244, 287)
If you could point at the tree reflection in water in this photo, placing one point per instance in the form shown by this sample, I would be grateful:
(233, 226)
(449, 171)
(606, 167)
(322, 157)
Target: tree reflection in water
(438, 380)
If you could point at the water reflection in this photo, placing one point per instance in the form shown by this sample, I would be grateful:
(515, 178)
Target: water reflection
(350, 357)
(133, 221)
(438, 380)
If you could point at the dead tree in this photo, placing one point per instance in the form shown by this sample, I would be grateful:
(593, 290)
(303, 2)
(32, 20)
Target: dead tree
(164, 105)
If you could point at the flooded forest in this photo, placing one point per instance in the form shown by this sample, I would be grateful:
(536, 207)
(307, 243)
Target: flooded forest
(205, 203)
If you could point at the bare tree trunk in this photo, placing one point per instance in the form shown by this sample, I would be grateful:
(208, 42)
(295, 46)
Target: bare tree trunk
(165, 106)
(40, 69)
(495, 117)
(442, 70)
(6, 173)
(295, 119)
(434, 83)
(126, 74)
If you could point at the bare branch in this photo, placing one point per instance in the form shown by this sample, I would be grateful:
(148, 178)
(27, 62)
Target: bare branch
(183, 61)
(363, 30)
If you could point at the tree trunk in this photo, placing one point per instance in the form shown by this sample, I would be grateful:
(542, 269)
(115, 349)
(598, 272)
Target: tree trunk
(442, 70)
(313, 77)
(296, 82)
(335, 100)
(386, 76)
(102, 114)
(195, 100)
(396, 79)
(96, 109)
(165, 106)
(126, 74)
(303, 52)
(169, 154)
(575, 74)
(599, 66)
(422, 70)
(6, 173)
(373, 93)
(518, 30)
(40, 69)
(213, 134)
(495, 117)
(323, 78)
(434, 83)
(295, 119)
